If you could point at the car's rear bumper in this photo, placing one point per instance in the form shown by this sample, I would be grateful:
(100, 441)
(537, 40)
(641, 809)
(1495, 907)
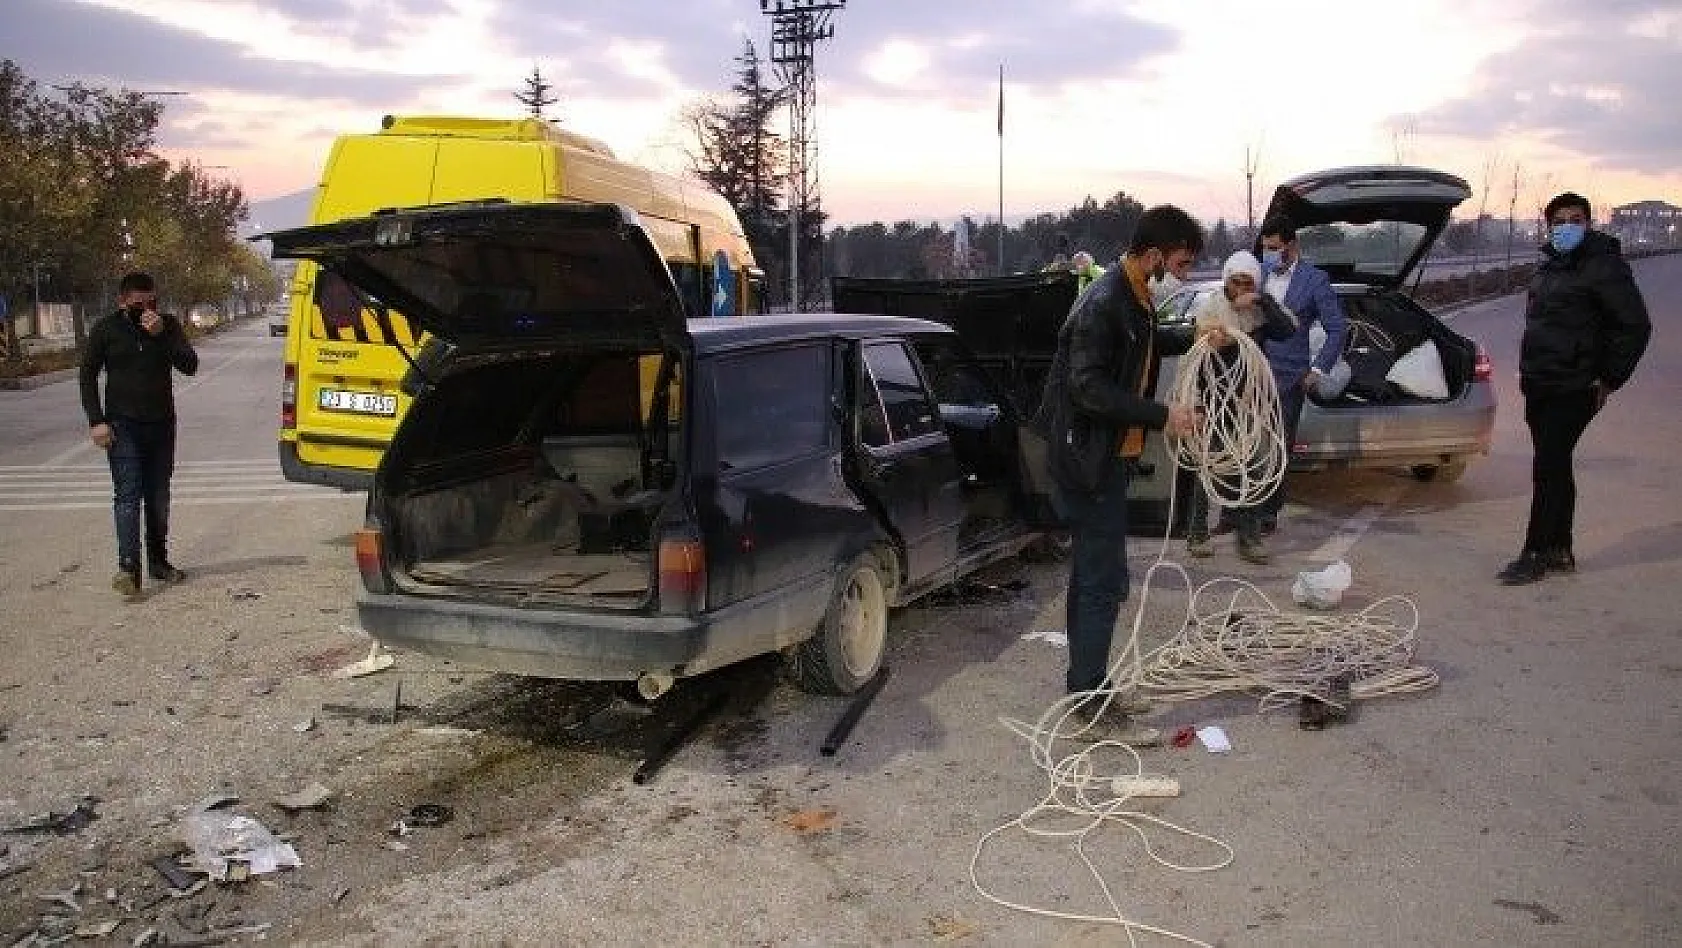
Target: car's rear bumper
(299, 472)
(594, 645)
(1369, 436)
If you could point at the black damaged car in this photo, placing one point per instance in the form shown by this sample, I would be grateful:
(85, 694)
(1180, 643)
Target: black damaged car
(591, 486)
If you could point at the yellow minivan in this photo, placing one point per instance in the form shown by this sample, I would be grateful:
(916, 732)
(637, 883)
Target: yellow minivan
(341, 396)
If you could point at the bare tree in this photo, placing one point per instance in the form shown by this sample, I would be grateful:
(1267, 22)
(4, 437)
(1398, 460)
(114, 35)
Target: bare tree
(537, 94)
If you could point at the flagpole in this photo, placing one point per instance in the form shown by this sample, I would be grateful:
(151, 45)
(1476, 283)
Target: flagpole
(1001, 169)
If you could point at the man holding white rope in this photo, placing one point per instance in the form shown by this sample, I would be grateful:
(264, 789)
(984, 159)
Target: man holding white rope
(1094, 414)
(1237, 308)
(1305, 291)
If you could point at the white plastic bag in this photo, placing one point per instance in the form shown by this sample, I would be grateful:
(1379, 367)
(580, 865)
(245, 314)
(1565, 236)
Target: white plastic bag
(1420, 372)
(1322, 588)
(1335, 381)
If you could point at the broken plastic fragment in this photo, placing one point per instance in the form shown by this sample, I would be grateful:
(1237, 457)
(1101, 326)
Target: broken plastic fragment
(1214, 739)
(377, 661)
(309, 798)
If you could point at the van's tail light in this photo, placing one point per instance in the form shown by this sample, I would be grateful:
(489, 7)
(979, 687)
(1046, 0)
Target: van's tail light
(683, 574)
(370, 559)
(289, 398)
(1482, 369)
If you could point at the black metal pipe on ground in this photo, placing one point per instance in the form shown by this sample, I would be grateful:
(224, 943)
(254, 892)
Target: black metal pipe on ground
(855, 710)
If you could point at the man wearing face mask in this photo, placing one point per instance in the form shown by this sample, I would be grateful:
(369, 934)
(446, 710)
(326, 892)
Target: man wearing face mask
(1305, 291)
(1094, 413)
(137, 348)
(1585, 328)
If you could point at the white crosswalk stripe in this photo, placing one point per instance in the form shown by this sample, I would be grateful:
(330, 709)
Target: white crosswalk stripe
(195, 483)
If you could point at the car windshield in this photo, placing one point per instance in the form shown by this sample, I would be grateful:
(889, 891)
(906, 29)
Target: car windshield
(1380, 248)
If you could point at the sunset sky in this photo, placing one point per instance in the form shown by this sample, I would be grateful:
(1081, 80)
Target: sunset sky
(1157, 99)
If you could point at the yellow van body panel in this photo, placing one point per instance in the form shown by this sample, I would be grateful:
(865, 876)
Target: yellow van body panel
(348, 376)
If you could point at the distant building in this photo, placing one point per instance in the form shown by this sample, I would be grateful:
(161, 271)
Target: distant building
(1647, 223)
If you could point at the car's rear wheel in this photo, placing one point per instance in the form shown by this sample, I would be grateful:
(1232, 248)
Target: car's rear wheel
(847, 650)
(1439, 473)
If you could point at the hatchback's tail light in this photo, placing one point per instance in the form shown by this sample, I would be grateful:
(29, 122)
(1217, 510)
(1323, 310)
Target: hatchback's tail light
(683, 574)
(370, 559)
(289, 398)
(1482, 369)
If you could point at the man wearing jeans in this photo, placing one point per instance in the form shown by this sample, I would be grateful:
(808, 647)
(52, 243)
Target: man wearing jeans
(137, 347)
(1095, 411)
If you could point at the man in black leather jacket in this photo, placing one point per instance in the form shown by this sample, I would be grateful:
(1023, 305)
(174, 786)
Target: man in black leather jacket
(1094, 414)
(1585, 328)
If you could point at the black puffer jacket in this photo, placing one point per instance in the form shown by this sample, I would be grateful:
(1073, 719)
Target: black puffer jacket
(1091, 398)
(1584, 322)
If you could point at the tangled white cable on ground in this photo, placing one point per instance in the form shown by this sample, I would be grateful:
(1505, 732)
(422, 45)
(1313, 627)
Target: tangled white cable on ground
(1242, 643)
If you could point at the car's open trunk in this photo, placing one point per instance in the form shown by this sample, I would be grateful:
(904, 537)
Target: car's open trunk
(533, 479)
(1383, 326)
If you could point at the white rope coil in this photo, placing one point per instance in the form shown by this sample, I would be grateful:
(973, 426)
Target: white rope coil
(1239, 451)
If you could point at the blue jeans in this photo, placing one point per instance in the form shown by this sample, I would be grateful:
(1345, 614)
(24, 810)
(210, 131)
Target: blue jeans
(142, 457)
(1098, 579)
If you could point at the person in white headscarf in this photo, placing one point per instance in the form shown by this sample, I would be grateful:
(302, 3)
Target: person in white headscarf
(1238, 306)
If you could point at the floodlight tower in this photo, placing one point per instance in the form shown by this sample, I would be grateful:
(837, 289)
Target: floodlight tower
(797, 26)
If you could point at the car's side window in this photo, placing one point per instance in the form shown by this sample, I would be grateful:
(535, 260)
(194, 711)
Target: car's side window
(905, 402)
(772, 406)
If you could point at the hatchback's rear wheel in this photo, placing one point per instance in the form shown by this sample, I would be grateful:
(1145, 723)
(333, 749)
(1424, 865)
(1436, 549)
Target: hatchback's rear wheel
(847, 650)
(1439, 473)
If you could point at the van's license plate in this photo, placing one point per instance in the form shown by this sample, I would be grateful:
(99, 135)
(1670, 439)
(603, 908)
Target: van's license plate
(362, 403)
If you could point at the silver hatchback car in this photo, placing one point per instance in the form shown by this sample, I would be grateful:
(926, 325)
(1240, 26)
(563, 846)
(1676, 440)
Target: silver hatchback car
(1368, 228)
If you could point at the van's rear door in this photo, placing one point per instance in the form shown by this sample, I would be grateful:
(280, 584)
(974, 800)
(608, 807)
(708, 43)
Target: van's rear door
(566, 274)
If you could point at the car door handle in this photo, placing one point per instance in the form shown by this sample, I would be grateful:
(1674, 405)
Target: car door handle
(880, 468)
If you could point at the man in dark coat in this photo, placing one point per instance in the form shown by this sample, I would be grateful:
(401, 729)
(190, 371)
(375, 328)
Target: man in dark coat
(137, 348)
(1094, 414)
(1585, 328)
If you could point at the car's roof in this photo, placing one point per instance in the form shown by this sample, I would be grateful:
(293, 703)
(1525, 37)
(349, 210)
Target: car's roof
(733, 332)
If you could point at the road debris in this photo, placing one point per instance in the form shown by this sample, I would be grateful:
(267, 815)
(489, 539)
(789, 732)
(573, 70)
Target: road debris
(376, 661)
(949, 928)
(175, 875)
(98, 929)
(430, 814)
(1214, 739)
(807, 822)
(305, 726)
(66, 898)
(243, 594)
(60, 824)
(311, 797)
(220, 841)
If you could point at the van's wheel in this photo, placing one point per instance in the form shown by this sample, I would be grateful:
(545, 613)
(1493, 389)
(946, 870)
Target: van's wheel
(1439, 473)
(847, 650)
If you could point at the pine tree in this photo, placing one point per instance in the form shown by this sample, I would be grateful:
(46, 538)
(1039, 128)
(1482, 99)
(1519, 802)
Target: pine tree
(538, 93)
(740, 156)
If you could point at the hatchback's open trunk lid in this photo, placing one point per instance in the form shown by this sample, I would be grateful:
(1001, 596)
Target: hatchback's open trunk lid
(1370, 224)
(494, 274)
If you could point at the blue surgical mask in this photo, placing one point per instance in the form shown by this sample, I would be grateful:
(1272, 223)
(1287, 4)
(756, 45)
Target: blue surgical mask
(1566, 237)
(1273, 259)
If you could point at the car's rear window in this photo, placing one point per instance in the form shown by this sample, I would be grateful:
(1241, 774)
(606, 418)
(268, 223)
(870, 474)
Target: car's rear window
(772, 406)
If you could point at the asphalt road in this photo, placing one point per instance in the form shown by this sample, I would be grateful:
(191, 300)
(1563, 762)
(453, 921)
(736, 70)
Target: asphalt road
(1531, 800)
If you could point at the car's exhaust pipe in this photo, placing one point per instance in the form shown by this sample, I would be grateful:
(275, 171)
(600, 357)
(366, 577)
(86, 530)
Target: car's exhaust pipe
(651, 685)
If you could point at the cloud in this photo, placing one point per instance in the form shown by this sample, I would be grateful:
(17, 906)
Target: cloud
(957, 46)
(58, 41)
(1598, 80)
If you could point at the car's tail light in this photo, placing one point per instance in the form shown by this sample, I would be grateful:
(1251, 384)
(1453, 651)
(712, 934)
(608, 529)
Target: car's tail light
(370, 559)
(683, 574)
(1482, 369)
(289, 398)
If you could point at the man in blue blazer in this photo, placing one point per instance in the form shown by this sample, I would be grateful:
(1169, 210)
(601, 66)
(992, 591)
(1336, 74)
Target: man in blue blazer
(1305, 291)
